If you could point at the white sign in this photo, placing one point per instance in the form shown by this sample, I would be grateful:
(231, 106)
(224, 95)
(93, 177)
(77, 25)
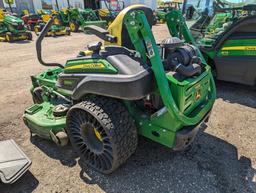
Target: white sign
(7, 5)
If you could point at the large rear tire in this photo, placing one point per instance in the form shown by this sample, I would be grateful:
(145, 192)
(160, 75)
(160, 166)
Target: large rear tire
(29, 36)
(9, 37)
(74, 27)
(102, 132)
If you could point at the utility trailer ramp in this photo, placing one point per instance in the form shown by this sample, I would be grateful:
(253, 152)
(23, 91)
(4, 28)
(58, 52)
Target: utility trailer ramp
(13, 162)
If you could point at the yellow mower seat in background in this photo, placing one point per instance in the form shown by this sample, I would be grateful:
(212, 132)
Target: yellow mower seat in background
(54, 12)
(65, 10)
(1, 15)
(118, 28)
(103, 12)
(39, 11)
(46, 18)
(25, 12)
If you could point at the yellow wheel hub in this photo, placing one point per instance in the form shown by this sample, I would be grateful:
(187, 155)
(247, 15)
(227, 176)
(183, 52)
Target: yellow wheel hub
(72, 26)
(7, 38)
(97, 134)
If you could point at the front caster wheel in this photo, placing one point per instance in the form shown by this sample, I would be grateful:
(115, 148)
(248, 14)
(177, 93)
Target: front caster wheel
(102, 132)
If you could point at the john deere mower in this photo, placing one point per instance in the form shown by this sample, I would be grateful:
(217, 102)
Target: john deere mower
(75, 18)
(57, 29)
(110, 9)
(30, 20)
(12, 28)
(132, 86)
(225, 33)
(167, 7)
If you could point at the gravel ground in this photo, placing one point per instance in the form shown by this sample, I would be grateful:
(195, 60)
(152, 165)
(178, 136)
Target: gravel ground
(223, 158)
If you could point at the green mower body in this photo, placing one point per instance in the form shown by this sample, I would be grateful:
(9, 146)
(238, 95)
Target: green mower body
(102, 101)
(75, 18)
(12, 29)
(227, 40)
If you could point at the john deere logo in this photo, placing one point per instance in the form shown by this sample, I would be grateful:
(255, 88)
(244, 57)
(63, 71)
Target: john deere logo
(198, 94)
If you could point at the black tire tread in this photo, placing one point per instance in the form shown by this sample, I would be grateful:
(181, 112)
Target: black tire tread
(114, 117)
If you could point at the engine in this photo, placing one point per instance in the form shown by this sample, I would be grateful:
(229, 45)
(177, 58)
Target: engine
(180, 58)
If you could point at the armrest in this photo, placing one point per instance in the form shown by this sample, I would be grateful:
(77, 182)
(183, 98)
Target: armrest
(101, 33)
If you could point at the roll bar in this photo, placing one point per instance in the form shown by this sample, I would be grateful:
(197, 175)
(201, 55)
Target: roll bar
(39, 44)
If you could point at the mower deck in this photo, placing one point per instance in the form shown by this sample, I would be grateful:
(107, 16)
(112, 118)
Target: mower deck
(40, 119)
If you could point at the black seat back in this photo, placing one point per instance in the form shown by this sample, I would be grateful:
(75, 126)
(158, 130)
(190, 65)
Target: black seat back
(121, 32)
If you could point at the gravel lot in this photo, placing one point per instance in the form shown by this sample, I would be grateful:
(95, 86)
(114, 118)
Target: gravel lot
(222, 160)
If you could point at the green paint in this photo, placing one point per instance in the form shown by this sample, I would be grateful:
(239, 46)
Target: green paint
(182, 106)
(89, 65)
(40, 119)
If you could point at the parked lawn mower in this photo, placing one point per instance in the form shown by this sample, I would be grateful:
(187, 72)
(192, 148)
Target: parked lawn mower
(227, 40)
(131, 86)
(166, 8)
(12, 28)
(30, 20)
(75, 18)
(57, 29)
(111, 10)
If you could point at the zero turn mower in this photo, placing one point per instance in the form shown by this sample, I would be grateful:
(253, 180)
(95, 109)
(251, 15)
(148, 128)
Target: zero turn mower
(102, 102)
(30, 20)
(166, 8)
(75, 18)
(12, 28)
(228, 41)
(110, 9)
(57, 29)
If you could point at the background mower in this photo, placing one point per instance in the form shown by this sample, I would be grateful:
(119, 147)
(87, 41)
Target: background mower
(110, 10)
(12, 28)
(75, 18)
(30, 20)
(225, 33)
(166, 8)
(101, 102)
(57, 29)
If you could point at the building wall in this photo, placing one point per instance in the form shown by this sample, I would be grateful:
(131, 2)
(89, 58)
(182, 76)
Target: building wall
(61, 3)
(24, 4)
(1, 4)
(150, 3)
(19, 6)
(34, 5)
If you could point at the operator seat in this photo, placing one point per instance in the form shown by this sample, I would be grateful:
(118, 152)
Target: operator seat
(117, 33)
(118, 27)
(134, 79)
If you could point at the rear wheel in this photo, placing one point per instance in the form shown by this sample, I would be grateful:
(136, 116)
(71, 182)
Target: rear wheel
(102, 132)
(37, 30)
(9, 37)
(73, 26)
(53, 34)
(29, 36)
(68, 32)
(162, 21)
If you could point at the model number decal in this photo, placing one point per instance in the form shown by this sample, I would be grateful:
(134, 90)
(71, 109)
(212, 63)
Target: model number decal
(86, 66)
